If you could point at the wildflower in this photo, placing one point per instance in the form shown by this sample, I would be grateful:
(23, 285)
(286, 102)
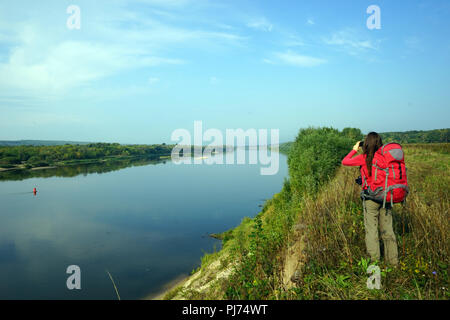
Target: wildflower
(434, 272)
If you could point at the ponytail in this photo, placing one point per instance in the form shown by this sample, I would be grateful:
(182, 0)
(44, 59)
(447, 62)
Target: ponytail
(372, 143)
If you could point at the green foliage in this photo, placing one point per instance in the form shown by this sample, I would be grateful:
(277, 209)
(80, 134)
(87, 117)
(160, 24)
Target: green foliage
(9, 160)
(353, 133)
(285, 147)
(36, 156)
(79, 168)
(430, 136)
(315, 155)
(37, 143)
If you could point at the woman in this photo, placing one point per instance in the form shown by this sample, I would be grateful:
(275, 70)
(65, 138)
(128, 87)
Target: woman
(373, 216)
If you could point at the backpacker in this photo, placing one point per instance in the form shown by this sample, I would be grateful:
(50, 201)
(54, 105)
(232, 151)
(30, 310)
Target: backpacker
(388, 182)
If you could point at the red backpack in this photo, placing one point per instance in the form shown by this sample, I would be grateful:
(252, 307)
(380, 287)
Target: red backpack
(388, 182)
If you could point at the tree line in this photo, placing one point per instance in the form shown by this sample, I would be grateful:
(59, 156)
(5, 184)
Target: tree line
(416, 136)
(36, 156)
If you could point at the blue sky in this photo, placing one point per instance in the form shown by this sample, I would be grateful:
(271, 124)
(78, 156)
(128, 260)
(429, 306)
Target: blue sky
(138, 70)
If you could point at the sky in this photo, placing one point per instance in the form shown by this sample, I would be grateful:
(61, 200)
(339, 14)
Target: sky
(135, 71)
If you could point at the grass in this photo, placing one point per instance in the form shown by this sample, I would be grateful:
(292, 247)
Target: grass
(336, 257)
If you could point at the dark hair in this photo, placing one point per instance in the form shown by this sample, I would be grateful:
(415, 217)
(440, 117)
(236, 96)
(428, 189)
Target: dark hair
(371, 144)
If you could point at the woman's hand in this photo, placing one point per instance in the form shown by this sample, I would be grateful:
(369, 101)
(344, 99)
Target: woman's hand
(356, 146)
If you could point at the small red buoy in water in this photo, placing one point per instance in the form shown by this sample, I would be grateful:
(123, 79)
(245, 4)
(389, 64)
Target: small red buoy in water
(34, 191)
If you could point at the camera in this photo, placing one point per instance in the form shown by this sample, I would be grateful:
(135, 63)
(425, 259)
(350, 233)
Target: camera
(361, 143)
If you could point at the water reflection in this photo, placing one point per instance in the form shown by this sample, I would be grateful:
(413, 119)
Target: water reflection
(144, 221)
(79, 169)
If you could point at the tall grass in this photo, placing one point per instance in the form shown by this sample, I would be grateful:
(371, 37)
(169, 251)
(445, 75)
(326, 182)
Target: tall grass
(335, 249)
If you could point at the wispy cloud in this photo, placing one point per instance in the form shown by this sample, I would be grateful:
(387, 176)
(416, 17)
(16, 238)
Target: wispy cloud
(293, 41)
(44, 62)
(71, 64)
(310, 22)
(261, 24)
(351, 42)
(294, 59)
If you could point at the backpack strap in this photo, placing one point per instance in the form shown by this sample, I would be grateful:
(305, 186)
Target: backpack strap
(392, 198)
(385, 189)
(380, 168)
(395, 186)
(376, 170)
(364, 178)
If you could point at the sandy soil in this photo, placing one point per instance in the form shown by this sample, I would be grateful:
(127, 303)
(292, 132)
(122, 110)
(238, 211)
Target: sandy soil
(178, 281)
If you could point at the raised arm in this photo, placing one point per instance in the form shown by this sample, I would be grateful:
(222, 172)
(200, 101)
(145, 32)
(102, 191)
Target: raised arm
(356, 161)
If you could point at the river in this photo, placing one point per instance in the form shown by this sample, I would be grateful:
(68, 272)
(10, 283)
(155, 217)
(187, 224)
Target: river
(145, 223)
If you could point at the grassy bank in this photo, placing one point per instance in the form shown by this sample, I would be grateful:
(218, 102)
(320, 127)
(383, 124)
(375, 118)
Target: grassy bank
(313, 229)
(336, 263)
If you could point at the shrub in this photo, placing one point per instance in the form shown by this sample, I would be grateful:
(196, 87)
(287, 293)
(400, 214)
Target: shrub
(36, 161)
(314, 157)
(9, 161)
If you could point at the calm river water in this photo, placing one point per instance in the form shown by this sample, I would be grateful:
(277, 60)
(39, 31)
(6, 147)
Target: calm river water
(146, 224)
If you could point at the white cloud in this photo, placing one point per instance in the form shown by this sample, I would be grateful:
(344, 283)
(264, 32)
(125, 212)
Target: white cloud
(310, 22)
(40, 59)
(294, 41)
(295, 59)
(349, 41)
(71, 64)
(261, 24)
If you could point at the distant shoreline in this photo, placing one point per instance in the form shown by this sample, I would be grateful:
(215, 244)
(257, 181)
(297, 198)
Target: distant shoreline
(82, 162)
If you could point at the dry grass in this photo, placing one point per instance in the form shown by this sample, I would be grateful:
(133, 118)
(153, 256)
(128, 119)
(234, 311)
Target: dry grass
(335, 247)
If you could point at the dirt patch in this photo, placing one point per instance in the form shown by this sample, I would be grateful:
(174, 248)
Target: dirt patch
(294, 258)
(178, 281)
(203, 284)
(43, 168)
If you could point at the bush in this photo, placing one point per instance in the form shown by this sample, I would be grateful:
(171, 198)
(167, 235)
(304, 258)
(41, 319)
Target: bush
(9, 161)
(315, 155)
(37, 162)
